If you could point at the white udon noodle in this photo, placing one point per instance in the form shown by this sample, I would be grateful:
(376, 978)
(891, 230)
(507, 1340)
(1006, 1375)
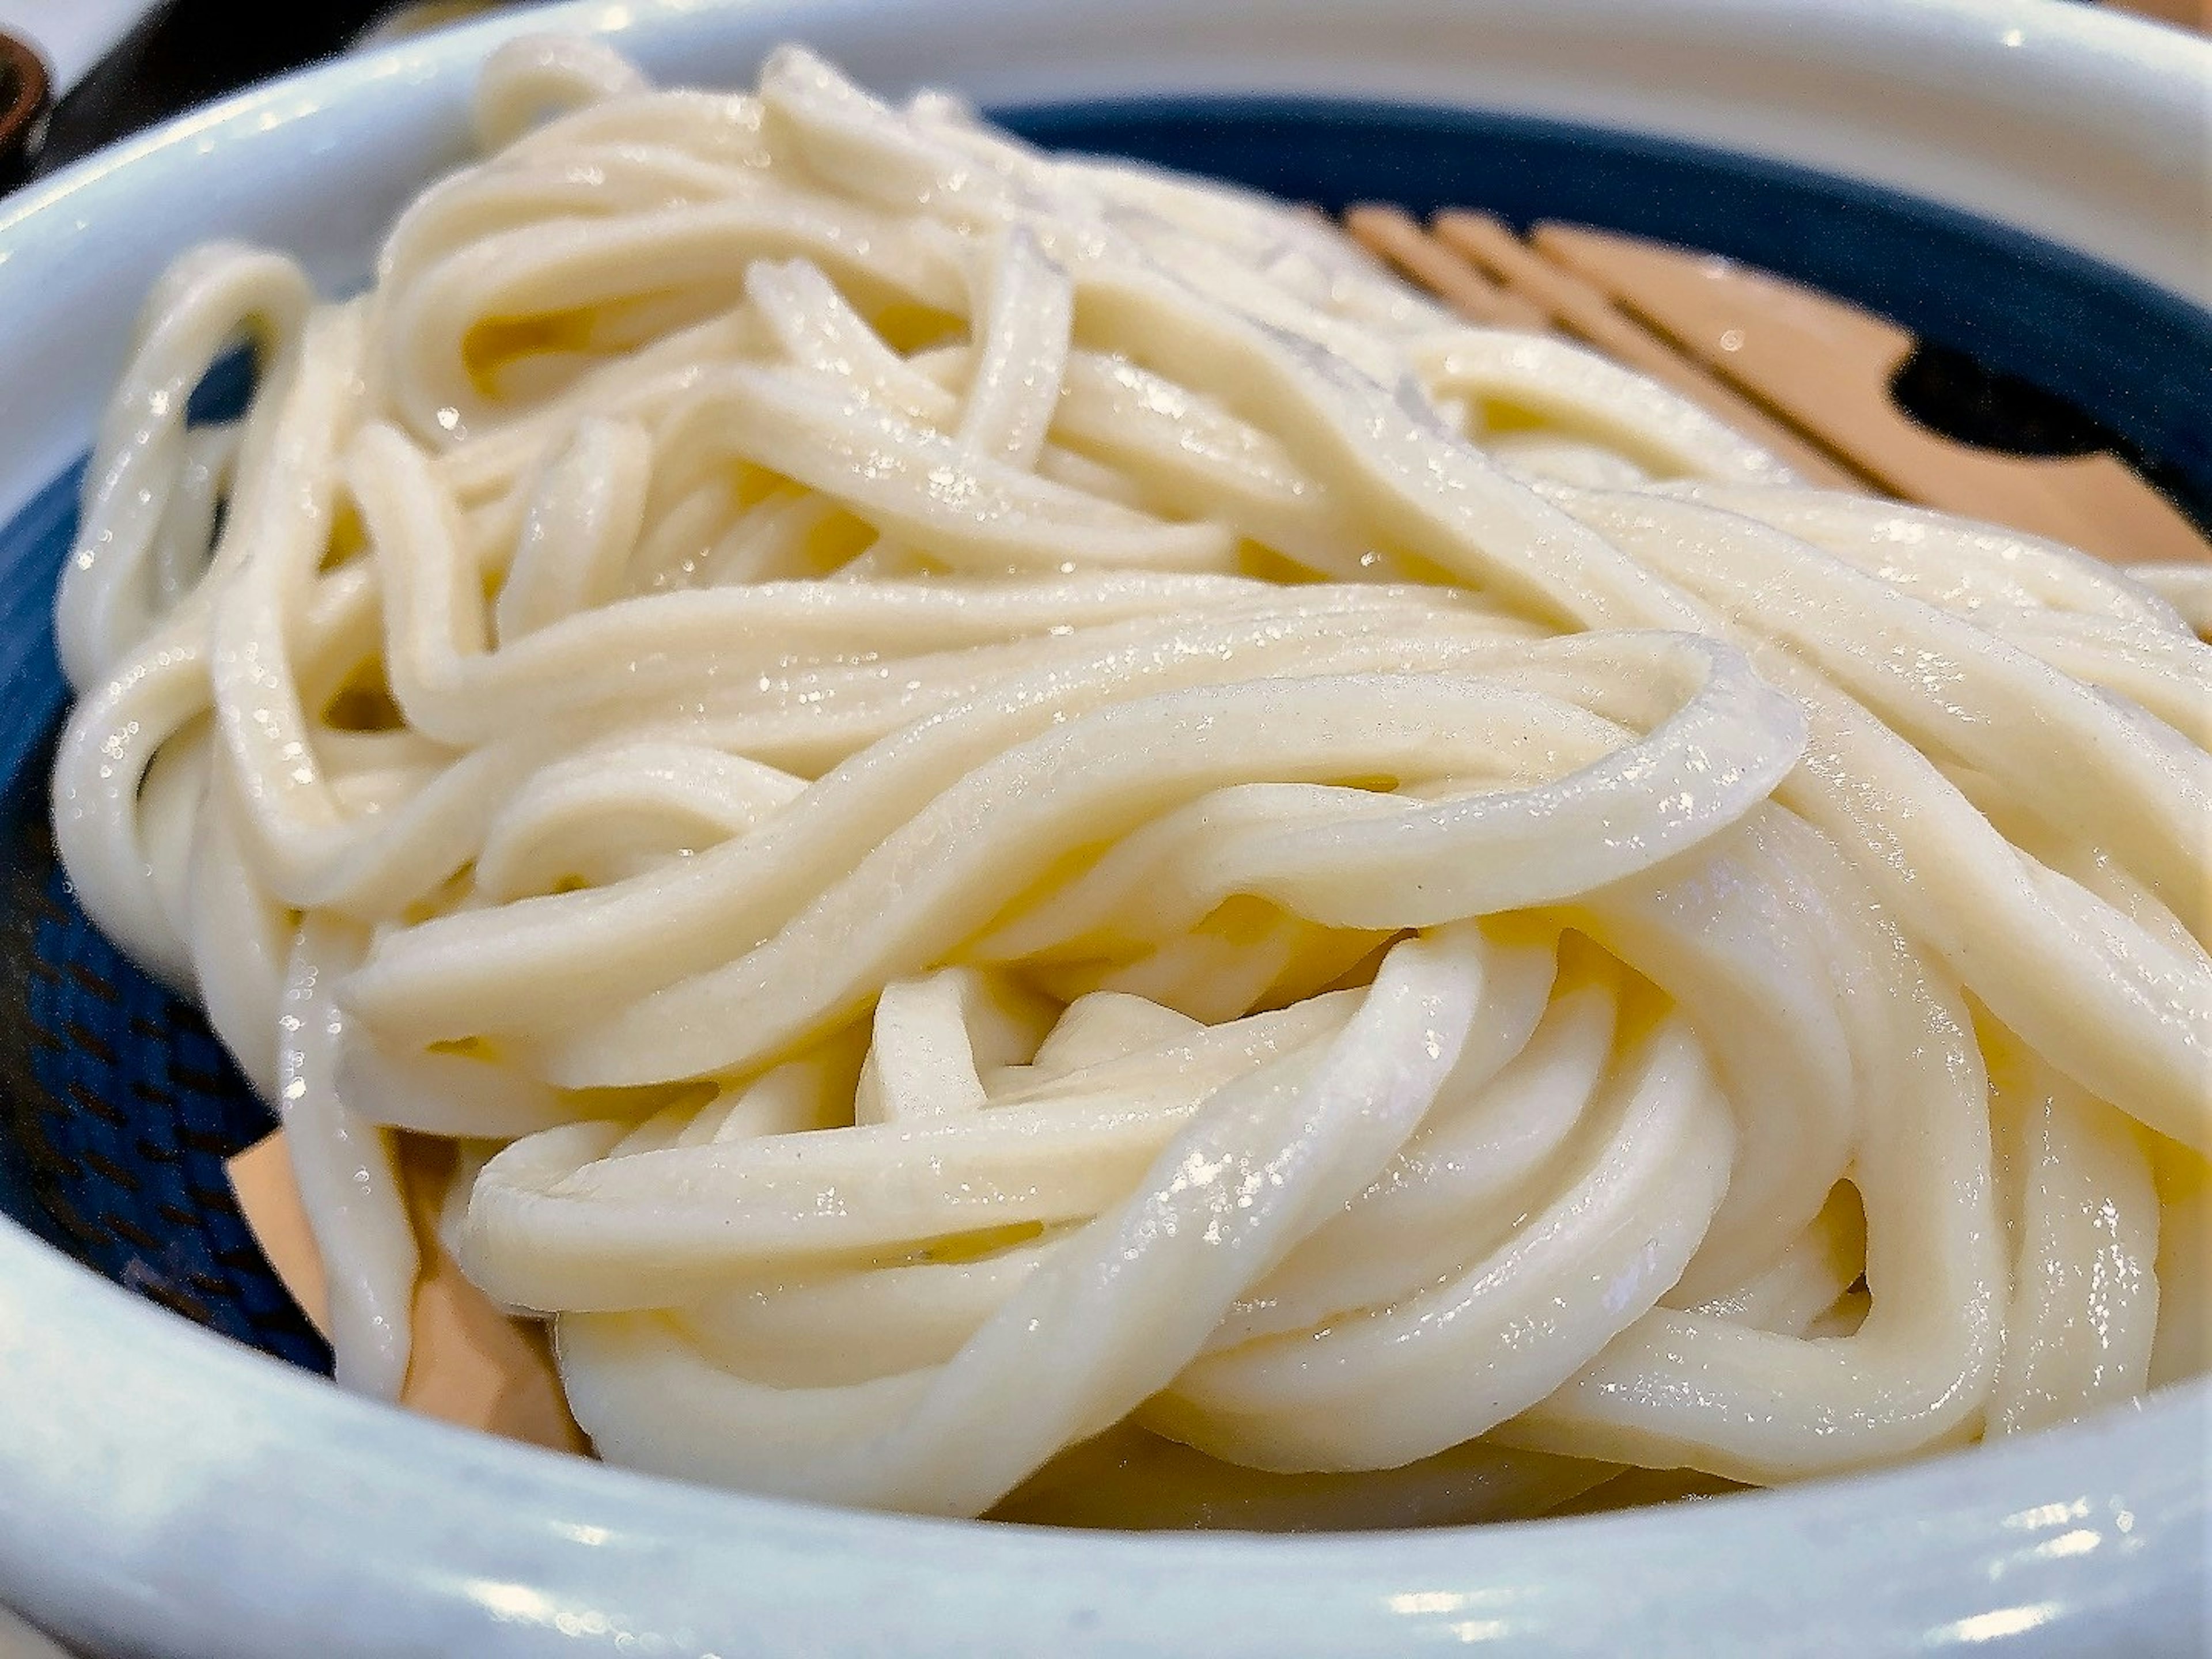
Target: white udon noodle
(1013, 805)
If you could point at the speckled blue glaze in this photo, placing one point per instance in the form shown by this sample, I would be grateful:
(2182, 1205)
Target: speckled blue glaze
(117, 1106)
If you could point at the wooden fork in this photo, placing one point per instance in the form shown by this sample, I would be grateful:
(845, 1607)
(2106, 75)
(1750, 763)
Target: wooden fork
(1805, 375)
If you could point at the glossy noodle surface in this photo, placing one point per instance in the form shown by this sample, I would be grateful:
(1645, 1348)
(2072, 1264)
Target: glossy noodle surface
(1056, 852)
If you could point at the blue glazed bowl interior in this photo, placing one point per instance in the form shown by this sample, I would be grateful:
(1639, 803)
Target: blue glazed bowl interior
(119, 1107)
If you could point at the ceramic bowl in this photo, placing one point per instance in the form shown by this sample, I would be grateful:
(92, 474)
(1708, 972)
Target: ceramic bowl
(2024, 181)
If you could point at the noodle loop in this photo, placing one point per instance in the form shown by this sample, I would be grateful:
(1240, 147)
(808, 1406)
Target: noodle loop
(1060, 854)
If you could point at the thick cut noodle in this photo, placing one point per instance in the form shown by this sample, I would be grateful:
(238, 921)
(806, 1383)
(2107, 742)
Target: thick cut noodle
(1056, 853)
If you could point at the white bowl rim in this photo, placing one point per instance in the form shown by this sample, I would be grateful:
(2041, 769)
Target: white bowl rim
(162, 1489)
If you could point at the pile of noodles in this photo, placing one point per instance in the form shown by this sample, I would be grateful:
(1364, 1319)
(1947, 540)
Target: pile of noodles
(1025, 819)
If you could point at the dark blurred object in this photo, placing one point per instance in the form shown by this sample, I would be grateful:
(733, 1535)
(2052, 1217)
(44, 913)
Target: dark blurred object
(2182, 14)
(423, 16)
(23, 110)
(187, 52)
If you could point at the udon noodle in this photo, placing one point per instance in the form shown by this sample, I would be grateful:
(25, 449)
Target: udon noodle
(1041, 838)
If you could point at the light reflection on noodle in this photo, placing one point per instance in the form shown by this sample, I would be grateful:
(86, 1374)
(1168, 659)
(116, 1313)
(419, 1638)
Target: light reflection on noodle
(1012, 801)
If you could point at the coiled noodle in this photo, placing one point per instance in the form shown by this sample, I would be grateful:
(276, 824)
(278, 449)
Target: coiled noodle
(1054, 852)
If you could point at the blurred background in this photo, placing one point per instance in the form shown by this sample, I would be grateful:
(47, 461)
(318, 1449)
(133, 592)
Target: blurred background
(83, 73)
(78, 74)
